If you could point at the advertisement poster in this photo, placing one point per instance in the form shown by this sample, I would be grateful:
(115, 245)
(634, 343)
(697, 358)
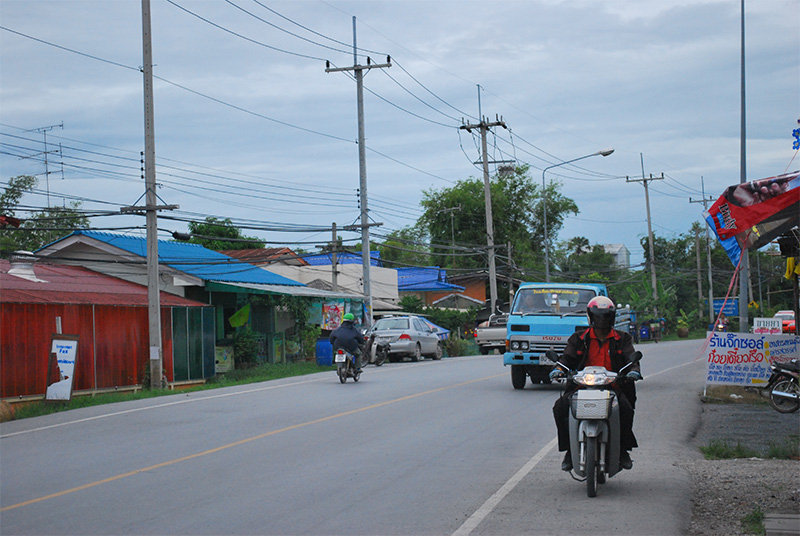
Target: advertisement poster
(751, 214)
(332, 315)
(61, 367)
(744, 358)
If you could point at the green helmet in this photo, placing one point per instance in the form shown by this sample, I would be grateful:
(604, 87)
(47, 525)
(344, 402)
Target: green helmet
(348, 316)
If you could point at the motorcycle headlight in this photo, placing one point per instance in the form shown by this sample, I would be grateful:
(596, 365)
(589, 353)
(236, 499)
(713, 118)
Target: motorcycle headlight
(594, 378)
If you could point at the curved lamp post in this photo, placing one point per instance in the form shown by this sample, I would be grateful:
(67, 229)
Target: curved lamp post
(604, 152)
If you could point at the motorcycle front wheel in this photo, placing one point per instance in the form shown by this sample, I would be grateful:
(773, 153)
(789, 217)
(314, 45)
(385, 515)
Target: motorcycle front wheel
(782, 403)
(591, 466)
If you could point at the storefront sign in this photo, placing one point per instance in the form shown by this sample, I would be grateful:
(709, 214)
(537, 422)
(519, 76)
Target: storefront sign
(744, 358)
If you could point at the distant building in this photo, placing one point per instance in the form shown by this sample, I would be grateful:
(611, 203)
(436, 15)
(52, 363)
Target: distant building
(622, 257)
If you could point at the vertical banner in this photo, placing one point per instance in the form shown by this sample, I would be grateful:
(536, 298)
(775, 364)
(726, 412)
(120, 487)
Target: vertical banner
(61, 368)
(744, 358)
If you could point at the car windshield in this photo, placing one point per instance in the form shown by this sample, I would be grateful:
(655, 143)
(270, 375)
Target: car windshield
(391, 323)
(552, 300)
(784, 315)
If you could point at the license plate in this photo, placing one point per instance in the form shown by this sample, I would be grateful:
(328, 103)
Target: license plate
(339, 358)
(544, 361)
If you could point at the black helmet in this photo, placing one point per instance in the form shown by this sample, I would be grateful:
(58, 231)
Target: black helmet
(601, 312)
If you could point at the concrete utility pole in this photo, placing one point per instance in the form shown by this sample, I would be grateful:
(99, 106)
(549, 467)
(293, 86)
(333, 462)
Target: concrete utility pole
(708, 253)
(484, 126)
(649, 228)
(362, 165)
(151, 208)
(334, 269)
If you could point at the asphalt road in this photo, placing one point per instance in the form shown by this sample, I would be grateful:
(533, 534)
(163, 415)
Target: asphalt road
(430, 448)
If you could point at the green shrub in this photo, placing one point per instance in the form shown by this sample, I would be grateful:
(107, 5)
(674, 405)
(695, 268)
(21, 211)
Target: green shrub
(456, 346)
(245, 347)
(753, 523)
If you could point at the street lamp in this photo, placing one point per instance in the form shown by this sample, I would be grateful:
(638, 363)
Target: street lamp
(604, 152)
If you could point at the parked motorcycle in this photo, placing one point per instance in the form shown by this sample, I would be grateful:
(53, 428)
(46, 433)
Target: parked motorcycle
(346, 365)
(594, 429)
(378, 351)
(783, 389)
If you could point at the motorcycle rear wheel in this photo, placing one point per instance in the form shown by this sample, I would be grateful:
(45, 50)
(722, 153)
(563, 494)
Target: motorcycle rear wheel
(591, 466)
(783, 404)
(342, 374)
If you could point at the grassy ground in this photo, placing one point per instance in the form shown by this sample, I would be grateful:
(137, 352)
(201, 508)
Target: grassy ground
(259, 373)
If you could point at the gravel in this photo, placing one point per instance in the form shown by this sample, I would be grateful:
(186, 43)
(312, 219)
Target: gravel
(725, 491)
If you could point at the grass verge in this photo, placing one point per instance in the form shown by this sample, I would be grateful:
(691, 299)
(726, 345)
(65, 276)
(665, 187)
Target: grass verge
(789, 449)
(753, 523)
(260, 373)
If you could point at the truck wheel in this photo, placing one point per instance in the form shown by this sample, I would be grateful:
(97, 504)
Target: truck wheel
(518, 376)
(484, 350)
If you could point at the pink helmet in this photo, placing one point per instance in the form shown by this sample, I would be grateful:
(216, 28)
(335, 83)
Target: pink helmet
(601, 312)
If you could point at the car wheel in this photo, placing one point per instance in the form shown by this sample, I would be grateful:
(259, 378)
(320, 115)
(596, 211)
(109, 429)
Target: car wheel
(417, 354)
(439, 351)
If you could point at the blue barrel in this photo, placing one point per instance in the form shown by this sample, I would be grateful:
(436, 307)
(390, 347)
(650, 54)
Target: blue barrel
(644, 332)
(324, 353)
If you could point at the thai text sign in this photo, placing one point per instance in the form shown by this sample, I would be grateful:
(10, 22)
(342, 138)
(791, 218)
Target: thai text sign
(744, 358)
(767, 325)
(61, 368)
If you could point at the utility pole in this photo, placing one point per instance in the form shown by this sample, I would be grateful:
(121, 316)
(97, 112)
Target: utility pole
(649, 228)
(708, 253)
(334, 248)
(744, 275)
(151, 208)
(484, 126)
(510, 276)
(362, 165)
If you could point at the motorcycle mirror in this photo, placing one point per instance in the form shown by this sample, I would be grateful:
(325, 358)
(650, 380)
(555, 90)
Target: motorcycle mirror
(551, 355)
(636, 357)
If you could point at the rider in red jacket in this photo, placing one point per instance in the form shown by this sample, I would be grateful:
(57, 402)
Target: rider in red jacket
(600, 345)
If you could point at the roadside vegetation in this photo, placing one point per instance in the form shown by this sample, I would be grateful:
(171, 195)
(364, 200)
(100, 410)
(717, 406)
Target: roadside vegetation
(259, 373)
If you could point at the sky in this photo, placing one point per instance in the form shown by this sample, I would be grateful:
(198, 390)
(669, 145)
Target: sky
(250, 126)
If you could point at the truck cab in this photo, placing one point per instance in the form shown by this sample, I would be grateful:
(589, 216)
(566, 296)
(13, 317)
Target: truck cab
(542, 317)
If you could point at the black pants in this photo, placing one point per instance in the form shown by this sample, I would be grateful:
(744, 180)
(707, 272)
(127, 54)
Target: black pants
(561, 411)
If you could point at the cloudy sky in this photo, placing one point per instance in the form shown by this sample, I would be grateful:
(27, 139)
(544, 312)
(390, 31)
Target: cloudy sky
(249, 125)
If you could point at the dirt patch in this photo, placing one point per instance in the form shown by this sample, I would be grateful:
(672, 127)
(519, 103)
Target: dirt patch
(725, 491)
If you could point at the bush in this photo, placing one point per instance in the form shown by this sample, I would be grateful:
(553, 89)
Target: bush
(455, 346)
(245, 347)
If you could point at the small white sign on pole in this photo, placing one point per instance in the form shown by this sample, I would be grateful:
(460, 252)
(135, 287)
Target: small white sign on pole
(61, 367)
(770, 326)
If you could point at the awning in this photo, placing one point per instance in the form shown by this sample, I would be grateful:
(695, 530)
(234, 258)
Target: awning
(262, 288)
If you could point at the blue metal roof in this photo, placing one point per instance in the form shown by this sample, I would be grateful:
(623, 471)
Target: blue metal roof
(324, 259)
(427, 279)
(194, 259)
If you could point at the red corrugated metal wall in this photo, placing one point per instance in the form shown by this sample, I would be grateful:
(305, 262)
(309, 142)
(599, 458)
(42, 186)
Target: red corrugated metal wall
(114, 344)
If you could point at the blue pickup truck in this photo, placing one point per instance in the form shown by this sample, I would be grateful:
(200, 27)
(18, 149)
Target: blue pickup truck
(541, 318)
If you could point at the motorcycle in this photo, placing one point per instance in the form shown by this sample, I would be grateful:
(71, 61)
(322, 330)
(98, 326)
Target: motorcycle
(346, 365)
(594, 429)
(782, 386)
(378, 350)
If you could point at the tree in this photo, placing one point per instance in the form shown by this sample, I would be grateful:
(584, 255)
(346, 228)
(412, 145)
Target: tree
(457, 215)
(41, 227)
(218, 234)
(405, 247)
(580, 262)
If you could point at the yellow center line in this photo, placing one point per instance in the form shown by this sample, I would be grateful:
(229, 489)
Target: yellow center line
(240, 442)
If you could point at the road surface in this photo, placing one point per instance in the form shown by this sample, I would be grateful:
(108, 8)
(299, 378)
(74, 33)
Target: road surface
(431, 448)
